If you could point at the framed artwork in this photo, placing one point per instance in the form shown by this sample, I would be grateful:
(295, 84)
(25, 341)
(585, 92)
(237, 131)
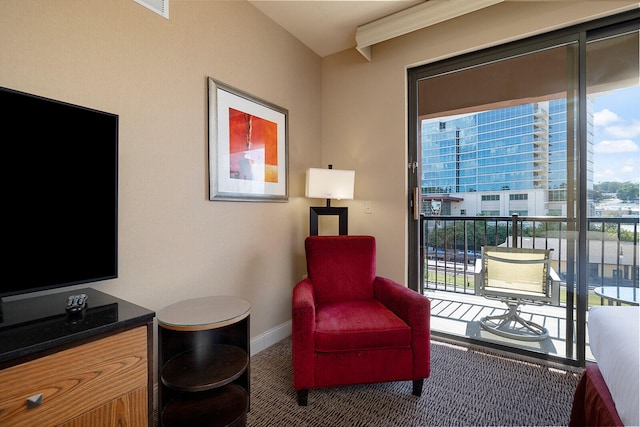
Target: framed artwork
(248, 142)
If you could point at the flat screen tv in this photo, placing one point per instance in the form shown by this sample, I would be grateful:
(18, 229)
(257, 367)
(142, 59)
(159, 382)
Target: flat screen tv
(60, 197)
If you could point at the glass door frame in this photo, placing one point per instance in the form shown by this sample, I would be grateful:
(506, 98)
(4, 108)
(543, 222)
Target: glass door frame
(579, 35)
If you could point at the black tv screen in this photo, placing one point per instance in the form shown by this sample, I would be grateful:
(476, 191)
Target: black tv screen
(60, 193)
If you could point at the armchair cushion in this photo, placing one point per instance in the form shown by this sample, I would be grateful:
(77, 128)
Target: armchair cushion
(359, 325)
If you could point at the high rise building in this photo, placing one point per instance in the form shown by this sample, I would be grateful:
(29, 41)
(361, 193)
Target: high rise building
(498, 162)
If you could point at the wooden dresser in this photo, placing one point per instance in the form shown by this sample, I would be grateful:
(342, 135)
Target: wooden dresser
(90, 370)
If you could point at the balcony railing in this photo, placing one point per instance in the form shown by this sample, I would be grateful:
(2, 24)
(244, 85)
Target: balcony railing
(451, 245)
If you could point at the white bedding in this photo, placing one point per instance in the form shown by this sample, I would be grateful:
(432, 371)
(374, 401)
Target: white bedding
(614, 340)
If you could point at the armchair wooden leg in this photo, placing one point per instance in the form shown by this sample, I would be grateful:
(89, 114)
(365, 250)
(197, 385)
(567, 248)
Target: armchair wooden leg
(417, 387)
(302, 397)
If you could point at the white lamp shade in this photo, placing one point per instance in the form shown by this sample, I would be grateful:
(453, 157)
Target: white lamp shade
(330, 183)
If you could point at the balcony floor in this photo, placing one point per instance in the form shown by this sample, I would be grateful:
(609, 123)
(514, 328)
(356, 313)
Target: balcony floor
(458, 314)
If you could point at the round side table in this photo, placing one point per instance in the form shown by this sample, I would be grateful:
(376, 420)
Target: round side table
(204, 362)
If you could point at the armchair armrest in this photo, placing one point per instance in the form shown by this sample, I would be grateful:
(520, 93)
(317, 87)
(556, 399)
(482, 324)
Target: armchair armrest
(407, 304)
(304, 303)
(415, 310)
(478, 278)
(555, 286)
(303, 322)
(477, 268)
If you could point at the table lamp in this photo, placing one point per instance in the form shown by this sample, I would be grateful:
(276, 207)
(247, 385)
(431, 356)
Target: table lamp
(329, 184)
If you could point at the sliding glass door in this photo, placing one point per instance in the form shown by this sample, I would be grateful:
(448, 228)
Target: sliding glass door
(510, 146)
(613, 167)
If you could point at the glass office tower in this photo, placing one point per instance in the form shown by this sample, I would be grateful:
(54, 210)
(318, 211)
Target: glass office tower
(497, 162)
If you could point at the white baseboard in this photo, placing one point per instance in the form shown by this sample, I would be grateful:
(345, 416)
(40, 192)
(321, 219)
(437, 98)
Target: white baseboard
(269, 338)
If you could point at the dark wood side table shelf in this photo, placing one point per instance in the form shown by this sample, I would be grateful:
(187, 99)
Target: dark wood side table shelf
(93, 369)
(204, 362)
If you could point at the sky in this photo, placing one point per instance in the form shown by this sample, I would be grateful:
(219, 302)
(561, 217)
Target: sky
(616, 149)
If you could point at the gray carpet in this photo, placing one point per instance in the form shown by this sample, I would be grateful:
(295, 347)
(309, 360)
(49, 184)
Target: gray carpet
(466, 388)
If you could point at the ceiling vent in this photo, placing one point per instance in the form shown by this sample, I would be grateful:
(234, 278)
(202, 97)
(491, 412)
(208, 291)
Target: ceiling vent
(161, 7)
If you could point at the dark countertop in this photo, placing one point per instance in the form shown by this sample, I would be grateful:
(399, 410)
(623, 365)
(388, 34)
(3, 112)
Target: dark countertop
(37, 324)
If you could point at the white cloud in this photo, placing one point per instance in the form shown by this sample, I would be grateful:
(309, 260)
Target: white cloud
(616, 147)
(630, 167)
(605, 117)
(620, 168)
(605, 175)
(624, 131)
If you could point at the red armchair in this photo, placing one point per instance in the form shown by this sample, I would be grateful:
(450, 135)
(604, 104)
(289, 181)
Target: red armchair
(350, 326)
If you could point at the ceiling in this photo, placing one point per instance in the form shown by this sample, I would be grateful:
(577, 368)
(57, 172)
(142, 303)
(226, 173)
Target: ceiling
(327, 26)
(330, 26)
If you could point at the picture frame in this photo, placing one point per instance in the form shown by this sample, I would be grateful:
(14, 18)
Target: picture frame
(248, 147)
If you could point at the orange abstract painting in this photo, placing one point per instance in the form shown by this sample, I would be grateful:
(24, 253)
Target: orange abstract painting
(253, 147)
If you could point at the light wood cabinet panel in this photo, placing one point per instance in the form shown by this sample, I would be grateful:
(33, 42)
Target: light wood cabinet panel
(129, 410)
(106, 380)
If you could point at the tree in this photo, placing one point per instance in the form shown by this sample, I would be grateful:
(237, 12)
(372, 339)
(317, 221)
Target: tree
(607, 187)
(628, 191)
(597, 195)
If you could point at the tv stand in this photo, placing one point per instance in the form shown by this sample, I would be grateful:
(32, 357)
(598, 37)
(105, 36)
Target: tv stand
(91, 369)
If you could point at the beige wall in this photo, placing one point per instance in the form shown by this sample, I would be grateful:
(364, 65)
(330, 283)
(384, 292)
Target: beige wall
(364, 111)
(119, 57)
(174, 244)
